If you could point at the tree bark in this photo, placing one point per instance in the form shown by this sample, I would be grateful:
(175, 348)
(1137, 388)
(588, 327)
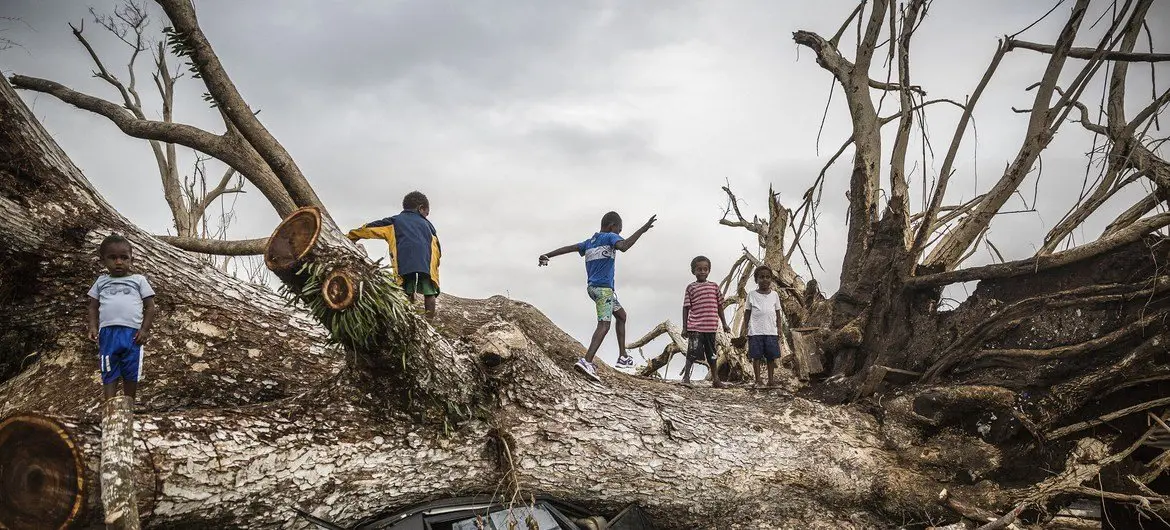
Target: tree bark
(119, 498)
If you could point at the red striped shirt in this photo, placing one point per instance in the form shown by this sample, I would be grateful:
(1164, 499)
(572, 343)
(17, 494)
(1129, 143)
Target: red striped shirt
(704, 301)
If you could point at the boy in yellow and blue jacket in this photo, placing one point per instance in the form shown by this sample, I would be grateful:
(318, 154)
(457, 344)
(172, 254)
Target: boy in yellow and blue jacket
(414, 247)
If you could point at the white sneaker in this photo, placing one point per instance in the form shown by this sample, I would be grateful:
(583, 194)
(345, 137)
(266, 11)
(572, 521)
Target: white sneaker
(587, 368)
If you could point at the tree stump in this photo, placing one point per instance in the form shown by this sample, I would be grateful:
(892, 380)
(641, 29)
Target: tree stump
(42, 481)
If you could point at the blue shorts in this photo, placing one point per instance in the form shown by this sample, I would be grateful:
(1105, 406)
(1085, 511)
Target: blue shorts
(765, 347)
(120, 357)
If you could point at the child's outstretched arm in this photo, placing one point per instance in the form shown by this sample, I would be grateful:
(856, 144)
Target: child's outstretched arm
(367, 231)
(567, 249)
(149, 310)
(92, 321)
(625, 244)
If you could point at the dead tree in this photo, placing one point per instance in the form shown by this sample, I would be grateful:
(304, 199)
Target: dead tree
(1033, 391)
(190, 197)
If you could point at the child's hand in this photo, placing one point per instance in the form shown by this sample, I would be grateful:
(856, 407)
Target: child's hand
(727, 329)
(685, 333)
(93, 334)
(543, 260)
(142, 336)
(650, 224)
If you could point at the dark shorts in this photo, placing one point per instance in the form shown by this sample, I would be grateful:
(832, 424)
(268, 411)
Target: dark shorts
(765, 347)
(417, 282)
(119, 356)
(701, 346)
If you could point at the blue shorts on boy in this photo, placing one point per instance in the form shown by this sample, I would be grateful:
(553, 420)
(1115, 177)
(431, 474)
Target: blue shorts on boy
(120, 357)
(765, 347)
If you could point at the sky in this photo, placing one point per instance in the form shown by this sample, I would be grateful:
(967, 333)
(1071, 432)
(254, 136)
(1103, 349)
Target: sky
(525, 121)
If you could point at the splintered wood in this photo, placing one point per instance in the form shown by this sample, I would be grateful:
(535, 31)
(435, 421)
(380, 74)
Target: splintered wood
(805, 357)
(117, 468)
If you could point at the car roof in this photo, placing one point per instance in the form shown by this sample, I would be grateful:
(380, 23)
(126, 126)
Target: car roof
(453, 504)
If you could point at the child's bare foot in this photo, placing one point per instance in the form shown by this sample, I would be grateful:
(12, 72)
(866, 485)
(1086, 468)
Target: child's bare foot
(718, 384)
(758, 383)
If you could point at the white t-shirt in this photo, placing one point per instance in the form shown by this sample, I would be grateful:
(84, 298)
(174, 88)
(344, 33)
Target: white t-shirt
(763, 308)
(120, 299)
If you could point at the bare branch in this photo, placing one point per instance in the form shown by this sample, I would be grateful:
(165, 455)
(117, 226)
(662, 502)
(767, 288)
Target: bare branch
(219, 190)
(1135, 212)
(836, 40)
(733, 206)
(103, 73)
(953, 246)
(1121, 237)
(1090, 53)
(1150, 110)
(895, 87)
(927, 227)
(219, 247)
(921, 106)
(899, 186)
(178, 133)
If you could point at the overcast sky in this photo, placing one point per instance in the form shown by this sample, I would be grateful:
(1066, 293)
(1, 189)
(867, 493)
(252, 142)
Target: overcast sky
(525, 121)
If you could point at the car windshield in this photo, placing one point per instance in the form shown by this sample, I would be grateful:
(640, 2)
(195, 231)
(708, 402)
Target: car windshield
(505, 519)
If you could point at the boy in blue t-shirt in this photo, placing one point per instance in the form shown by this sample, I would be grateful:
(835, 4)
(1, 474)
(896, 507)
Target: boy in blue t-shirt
(121, 311)
(599, 266)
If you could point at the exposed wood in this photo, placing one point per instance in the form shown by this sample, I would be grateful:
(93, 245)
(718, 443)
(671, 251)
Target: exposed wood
(805, 354)
(42, 478)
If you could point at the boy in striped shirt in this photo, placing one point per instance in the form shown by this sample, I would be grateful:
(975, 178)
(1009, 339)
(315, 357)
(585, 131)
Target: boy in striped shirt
(702, 315)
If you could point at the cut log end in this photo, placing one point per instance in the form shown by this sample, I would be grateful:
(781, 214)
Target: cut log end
(338, 290)
(293, 239)
(41, 476)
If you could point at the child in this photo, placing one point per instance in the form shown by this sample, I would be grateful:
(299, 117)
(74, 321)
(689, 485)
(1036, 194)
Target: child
(121, 311)
(761, 325)
(414, 248)
(599, 266)
(702, 314)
